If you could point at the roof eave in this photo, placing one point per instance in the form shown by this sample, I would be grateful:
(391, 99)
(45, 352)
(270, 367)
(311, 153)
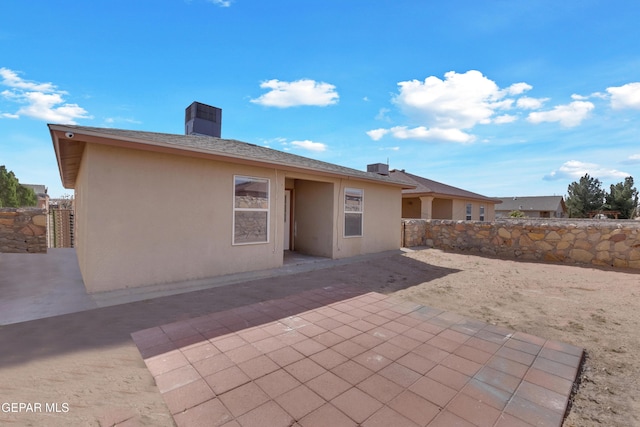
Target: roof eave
(452, 196)
(57, 131)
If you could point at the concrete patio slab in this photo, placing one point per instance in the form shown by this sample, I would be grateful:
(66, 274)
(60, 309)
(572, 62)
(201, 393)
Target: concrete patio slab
(336, 356)
(38, 286)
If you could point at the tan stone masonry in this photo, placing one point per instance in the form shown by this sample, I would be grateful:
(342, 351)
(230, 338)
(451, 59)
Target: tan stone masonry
(602, 243)
(23, 230)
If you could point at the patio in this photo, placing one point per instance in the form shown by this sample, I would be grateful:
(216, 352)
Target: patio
(335, 356)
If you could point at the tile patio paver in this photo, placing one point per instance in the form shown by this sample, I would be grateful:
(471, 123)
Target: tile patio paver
(333, 356)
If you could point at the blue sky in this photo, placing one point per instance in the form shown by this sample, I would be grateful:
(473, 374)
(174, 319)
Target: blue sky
(501, 98)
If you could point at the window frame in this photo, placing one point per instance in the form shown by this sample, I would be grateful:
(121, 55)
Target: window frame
(236, 209)
(469, 211)
(360, 212)
(482, 213)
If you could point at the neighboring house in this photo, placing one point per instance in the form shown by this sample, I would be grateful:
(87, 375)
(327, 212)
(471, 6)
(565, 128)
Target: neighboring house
(154, 208)
(434, 200)
(41, 194)
(533, 207)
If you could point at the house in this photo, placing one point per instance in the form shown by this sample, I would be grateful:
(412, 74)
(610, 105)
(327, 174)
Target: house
(41, 194)
(434, 200)
(533, 207)
(155, 208)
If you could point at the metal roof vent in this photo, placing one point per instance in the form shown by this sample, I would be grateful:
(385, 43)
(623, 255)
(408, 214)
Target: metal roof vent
(379, 168)
(202, 119)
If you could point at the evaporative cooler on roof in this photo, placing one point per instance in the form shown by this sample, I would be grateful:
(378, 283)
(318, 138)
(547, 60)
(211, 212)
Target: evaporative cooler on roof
(202, 119)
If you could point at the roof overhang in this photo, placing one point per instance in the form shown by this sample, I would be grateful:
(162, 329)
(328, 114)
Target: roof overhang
(68, 155)
(409, 194)
(69, 143)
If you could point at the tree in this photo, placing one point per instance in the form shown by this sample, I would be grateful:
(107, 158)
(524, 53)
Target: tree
(623, 197)
(516, 214)
(585, 196)
(12, 193)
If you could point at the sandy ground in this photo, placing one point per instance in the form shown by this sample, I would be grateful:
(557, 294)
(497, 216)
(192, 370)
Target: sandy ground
(598, 310)
(83, 368)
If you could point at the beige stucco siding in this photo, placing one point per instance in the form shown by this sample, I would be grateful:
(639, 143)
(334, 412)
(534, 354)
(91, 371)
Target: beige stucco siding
(454, 209)
(442, 209)
(460, 210)
(314, 213)
(411, 207)
(80, 204)
(147, 218)
(381, 220)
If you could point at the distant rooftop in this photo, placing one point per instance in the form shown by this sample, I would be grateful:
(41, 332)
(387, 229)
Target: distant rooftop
(426, 186)
(531, 203)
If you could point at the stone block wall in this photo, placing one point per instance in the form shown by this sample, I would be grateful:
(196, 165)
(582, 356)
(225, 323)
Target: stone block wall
(601, 243)
(23, 230)
(414, 232)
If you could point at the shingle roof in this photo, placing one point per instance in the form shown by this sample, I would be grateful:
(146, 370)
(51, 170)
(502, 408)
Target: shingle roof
(228, 148)
(533, 203)
(429, 187)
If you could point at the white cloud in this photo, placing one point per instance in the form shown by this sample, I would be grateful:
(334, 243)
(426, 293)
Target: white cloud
(221, 3)
(459, 101)
(432, 134)
(505, 118)
(383, 114)
(310, 145)
(625, 96)
(112, 121)
(518, 88)
(299, 92)
(632, 160)
(42, 101)
(527, 103)
(377, 134)
(445, 109)
(574, 169)
(599, 95)
(11, 79)
(569, 115)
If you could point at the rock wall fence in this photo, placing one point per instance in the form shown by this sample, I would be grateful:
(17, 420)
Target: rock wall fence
(23, 230)
(573, 241)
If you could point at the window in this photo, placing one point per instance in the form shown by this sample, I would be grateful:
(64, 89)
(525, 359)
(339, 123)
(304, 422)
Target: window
(481, 212)
(250, 210)
(468, 211)
(353, 208)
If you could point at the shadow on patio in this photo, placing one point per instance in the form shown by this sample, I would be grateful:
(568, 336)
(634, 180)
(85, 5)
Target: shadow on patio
(107, 326)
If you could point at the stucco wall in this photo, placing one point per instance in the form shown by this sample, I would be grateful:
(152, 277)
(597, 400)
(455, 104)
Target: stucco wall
(602, 243)
(442, 208)
(147, 218)
(411, 207)
(454, 209)
(313, 217)
(379, 232)
(23, 230)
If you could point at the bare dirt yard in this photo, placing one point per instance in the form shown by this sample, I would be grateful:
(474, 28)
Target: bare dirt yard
(88, 361)
(596, 309)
